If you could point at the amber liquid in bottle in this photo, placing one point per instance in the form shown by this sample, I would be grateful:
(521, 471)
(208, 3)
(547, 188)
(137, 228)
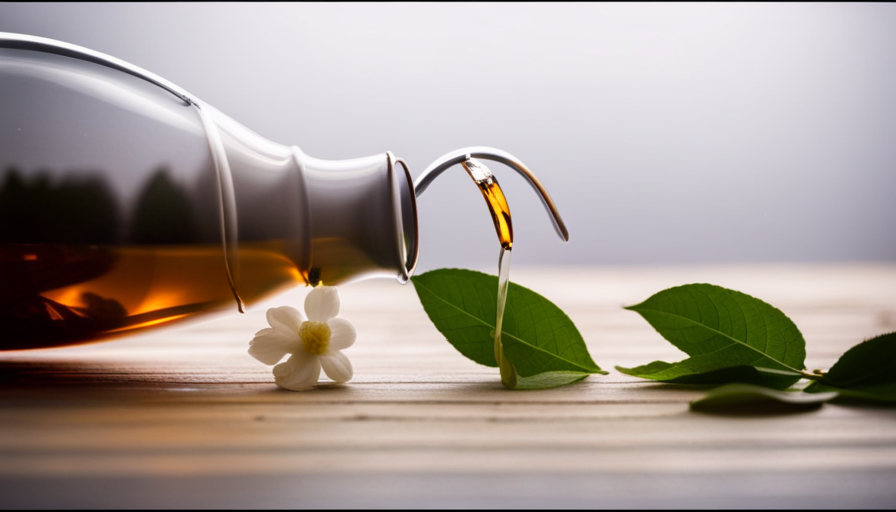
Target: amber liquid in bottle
(59, 294)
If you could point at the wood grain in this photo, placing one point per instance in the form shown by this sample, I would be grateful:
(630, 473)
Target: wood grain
(184, 417)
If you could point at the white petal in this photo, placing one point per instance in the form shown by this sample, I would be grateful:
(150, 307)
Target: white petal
(342, 333)
(269, 345)
(337, 366)
(322, 303)
(300, 371)
(285, 319)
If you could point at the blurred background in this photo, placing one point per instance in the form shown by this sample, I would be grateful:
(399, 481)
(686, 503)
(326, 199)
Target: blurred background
(666, 133)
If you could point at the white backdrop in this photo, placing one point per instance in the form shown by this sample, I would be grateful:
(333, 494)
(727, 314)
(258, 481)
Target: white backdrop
(667, 133)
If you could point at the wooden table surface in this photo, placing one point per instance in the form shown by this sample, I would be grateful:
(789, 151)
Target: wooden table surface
(184, 417)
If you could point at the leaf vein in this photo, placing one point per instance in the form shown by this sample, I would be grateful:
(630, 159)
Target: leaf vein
(722, 334)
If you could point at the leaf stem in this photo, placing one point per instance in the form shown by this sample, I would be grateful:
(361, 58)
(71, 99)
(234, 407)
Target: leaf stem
(813, 375)
(508, 372)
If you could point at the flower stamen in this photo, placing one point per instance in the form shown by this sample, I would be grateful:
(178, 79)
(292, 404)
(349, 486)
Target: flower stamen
(315, 337)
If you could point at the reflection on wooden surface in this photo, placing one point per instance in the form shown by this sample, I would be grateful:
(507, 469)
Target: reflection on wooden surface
(186, 418)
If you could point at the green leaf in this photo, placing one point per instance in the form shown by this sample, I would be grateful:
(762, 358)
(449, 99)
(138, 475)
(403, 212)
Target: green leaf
(697, 370)
(722, 330)
(537, 336)
(738, 395)
(867, 371)
(549, 380)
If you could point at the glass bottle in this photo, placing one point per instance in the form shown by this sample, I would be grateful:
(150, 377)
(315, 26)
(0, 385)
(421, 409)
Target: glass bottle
(126, 203)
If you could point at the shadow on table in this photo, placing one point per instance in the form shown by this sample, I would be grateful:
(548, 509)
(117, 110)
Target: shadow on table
(18, 374)
(68, 375)
(759, 408)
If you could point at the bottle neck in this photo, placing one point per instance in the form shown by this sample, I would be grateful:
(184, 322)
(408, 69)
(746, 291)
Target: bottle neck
(336, 221)
(363, 218)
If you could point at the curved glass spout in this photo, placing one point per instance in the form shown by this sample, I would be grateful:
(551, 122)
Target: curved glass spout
(462, 155)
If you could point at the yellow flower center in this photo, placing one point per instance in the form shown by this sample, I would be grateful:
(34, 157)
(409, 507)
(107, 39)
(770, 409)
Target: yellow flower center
(315, 337)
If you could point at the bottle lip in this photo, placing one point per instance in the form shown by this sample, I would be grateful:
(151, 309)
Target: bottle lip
(407, 240)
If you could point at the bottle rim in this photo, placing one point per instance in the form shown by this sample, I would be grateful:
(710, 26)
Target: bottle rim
(404, 208)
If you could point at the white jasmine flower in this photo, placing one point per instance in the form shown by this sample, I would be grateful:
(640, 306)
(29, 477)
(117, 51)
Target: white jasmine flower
(314, 343)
